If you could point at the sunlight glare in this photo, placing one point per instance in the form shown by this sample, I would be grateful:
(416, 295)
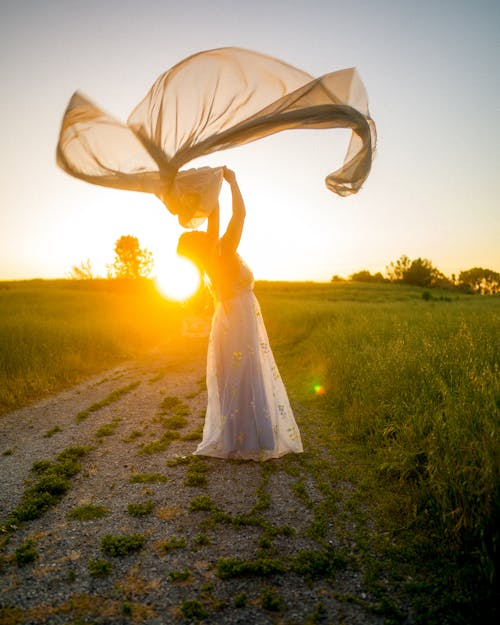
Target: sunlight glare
(177, 278)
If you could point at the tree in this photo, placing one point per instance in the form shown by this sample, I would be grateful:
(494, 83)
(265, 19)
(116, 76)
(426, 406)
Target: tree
(418, 272)
(396, 271)
(480, 280)
(131, 261)
(366, 276)
(83, 271)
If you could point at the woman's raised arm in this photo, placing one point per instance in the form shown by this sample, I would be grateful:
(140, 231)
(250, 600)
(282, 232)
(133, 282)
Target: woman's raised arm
(232, 236)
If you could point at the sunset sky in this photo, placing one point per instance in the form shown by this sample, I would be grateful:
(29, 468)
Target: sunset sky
(431, 71)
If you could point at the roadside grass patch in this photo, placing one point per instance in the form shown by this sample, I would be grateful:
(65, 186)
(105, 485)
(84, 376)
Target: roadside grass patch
(270, 600)
(52, 431)
(134, 435)
(318, 564)
(179, 576)
(106, 401)
(147, 478)
(107, 429)
(141, 509)
(173, 407)
(240, 600)
(202, 540)
(193, 609)
(121, 545)
(195, 435)
(25, 553)
(228, 568)
(88, 512)
(203, 502)
(160, 445)
(53, 483)
(179, 460)
(173, 543)
(169, 403)
(196, 473)
(176, 422)
(99, 567)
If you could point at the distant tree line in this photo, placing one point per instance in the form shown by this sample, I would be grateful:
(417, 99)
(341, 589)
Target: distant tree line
(421, 272)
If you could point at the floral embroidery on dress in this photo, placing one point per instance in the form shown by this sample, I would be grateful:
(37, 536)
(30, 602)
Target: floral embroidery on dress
(237, 357)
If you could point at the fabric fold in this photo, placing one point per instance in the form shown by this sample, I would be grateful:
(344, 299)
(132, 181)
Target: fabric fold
(212, 101)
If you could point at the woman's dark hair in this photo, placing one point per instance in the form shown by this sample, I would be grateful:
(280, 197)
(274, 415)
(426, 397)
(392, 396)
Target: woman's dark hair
(196, 246)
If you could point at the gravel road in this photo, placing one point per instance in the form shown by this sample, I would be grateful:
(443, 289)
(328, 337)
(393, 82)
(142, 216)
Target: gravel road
(260, 517)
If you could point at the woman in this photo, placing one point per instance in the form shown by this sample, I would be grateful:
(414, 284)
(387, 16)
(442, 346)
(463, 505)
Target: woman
(248, 414)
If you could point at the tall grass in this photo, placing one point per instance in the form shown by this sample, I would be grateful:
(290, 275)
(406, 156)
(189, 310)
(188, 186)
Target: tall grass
(53, 333)
(415, 383)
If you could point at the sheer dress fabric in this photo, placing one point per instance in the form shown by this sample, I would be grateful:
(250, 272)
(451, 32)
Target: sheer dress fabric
(248, 412)
(211, 101)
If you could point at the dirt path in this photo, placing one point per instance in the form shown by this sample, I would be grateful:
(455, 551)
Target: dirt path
(196, 512)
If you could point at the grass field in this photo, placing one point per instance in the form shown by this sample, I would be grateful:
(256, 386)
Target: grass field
(410, 408)
(54, 333)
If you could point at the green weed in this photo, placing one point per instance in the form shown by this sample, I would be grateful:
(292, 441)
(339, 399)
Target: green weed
(240, 600)
(270, 600)
(174, 543)
(52, 431)
(122, 545)
(228, 568)
(99, 567)
(116, 395)
(88, 512)
(52, 484)
(147, 478)
(179, 576)
(203, 502)
(176, 422)
(179, 460)
(135, 434)
(160, 445)
(193, 609)
(108, 429)
(140, 509)
(26, 553)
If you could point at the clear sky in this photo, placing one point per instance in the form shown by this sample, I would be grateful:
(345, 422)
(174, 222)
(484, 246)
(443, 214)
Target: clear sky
(431, 71)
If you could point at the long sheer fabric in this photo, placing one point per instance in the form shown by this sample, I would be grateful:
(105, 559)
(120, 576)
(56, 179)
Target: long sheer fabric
(212, 101)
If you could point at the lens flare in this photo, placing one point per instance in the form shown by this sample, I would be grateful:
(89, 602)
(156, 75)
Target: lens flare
(319, 390)
(177, 278)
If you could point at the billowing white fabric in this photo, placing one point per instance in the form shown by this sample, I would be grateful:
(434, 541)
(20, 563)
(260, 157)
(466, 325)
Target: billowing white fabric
(211, 101)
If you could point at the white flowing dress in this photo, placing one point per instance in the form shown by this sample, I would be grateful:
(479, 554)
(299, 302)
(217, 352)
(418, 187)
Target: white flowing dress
(248, 413)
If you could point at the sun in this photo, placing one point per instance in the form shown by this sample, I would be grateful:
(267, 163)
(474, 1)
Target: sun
(177, 278)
